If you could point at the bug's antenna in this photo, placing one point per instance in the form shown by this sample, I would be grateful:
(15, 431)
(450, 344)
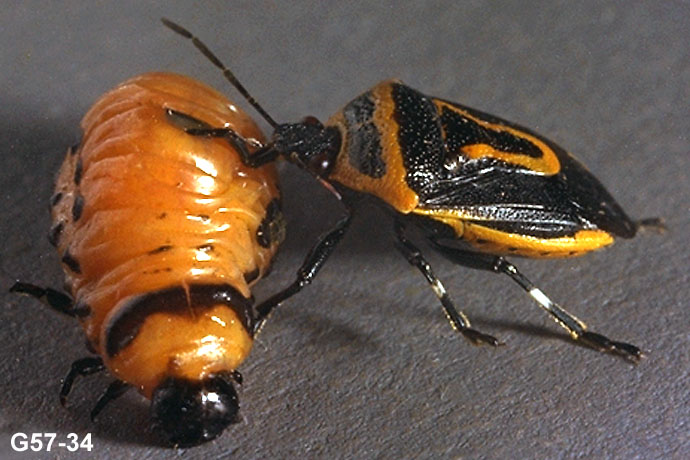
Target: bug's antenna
(226, 72)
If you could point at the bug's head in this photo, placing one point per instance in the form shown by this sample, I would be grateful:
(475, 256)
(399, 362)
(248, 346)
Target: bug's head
(189, 412)
(309, 144)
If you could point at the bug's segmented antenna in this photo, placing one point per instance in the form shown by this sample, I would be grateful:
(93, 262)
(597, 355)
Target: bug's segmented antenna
(217, 62)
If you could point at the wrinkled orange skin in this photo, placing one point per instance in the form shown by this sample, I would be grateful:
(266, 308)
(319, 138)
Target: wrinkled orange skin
(147, 185)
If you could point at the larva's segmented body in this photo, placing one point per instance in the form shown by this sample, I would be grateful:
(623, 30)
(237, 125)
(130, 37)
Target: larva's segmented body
(162, 234)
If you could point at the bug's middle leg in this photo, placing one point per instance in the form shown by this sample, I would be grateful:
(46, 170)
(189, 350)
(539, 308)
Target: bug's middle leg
(458, 320)
(576, 328)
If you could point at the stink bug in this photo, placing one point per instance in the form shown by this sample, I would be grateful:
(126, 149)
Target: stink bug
(480, 187)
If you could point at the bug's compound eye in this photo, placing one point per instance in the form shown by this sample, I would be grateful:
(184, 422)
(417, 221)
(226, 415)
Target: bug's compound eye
(189, 413)
(320, 164)
(313, 121)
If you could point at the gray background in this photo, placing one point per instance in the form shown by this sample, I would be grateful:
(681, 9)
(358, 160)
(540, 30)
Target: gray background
(363, 363)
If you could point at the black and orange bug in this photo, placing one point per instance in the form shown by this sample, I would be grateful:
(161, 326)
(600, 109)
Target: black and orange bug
(161, 235)
(480, 187)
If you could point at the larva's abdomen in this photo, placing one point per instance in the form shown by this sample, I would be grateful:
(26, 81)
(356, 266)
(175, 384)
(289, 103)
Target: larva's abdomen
(154, 226)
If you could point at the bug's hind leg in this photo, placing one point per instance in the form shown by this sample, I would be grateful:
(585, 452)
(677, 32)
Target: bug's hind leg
(576, 328)
(458, 320)
(56, 300)
(80, 368)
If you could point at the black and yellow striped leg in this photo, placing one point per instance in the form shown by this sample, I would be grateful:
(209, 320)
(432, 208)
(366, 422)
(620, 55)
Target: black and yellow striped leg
(576, 328)
(315, 259)
(458, 320)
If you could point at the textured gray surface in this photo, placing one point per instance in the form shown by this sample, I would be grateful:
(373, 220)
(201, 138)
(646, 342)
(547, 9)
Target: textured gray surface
(363, 364)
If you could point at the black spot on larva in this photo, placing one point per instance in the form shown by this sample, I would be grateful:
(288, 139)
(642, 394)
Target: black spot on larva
(81, 310)
(71, 262)
(512, 249)
(545, 253)
(55, 199)
(272, 228)
(160, 249)
(481, 241)
(77, 207)
(572, 253)
(78, 169)
(55, 232)
(162, 215)
(251, 276)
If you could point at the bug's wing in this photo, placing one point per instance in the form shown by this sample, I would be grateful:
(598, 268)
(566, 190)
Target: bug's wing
(519, 182)
(529, 204)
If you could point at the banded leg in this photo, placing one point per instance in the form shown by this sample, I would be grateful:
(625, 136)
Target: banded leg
(116, 389)
(315, 259)
(81, 367)
(576, 328)
(458, 320)
(58, 301)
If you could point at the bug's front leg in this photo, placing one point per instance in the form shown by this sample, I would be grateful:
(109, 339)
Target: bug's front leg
(265, 154)
(313, 262)
(576, 328)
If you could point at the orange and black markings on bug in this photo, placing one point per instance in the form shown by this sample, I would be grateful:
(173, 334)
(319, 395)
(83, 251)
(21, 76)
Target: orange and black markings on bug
(479, 186)
(161, 236)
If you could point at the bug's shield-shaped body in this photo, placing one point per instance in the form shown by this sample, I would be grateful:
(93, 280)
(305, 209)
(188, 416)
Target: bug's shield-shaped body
(501, 188)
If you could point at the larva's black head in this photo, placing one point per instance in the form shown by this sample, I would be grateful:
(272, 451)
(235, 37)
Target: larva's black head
(190, 413)
(308, 144)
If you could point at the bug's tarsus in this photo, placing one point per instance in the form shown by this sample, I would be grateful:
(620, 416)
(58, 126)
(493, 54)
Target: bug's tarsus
(458, 320)
(80, 368)
(58, 301)
(576, 328)
(116, 389)
(218, 63)
(602, 343)
(655, 224)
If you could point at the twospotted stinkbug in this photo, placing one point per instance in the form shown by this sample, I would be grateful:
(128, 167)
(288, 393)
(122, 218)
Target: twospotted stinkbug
(480, 187)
